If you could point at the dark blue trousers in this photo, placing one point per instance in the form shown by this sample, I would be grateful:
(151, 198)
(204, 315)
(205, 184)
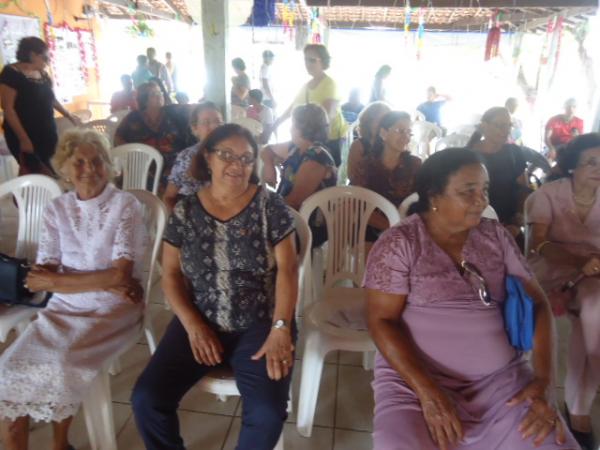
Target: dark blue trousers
(172, 371)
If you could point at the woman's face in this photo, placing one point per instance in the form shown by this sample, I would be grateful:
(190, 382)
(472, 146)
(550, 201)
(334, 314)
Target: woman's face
(397, 136)
(39, 61)
(464, 199)
(588, 168)
(86, 170)
(313, 63)
(155, 98)
(208, 120)
(497, 129)
(232, 162)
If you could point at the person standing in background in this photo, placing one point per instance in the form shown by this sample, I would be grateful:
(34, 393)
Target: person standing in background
(378, 89)
(158, 69)
(562, 128)
(142, 73)
(516, 129)
(28, 102)
(240, 83)
(262, 113)
(265, 79)
(172, 69)
(125, 99)
(432, 107)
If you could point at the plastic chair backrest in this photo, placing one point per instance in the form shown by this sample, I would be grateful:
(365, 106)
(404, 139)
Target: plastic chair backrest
(452, 140)
(237, 112)
(63, 124)
(31, 193)
(155, 218)
(106, 127)
(85, 115)
(117, 117)
(346, 210)
(134, 162)
(489, 212)
(9, 168)
(252, 125)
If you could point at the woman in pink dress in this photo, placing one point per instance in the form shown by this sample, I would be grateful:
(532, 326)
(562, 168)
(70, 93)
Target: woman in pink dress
(446, 376)
(89, 255)
(563, 220)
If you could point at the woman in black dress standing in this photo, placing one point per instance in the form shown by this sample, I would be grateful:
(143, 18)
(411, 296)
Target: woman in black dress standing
(28, 103)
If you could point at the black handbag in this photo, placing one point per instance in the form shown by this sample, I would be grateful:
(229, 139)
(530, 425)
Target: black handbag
(13, 272)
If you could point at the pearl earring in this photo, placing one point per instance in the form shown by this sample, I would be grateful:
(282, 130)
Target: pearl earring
(434, 208)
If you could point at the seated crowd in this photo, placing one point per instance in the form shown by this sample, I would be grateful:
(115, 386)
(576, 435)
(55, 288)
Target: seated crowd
(446, 375)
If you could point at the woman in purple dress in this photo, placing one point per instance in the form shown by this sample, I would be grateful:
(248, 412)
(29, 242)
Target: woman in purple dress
(446, 375)
(563, 220)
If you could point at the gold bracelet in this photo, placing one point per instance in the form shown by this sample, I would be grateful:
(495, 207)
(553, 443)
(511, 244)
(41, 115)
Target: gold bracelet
(538, 249)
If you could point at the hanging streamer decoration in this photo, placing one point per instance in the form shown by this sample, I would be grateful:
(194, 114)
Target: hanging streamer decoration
(420, 32)
(315, 26)
(555, 43)
(288, 18)
(407, 20)
(492, 45)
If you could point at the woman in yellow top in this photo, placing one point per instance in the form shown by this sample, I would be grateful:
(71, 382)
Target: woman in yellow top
(322, 90)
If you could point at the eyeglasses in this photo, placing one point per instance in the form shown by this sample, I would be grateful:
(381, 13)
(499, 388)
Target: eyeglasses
(227, 156)
(404, 131)
(480, 284)
(590, 163)
(206, 123)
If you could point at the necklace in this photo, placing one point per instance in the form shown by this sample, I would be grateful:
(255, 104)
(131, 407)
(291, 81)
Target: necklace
(584, 203)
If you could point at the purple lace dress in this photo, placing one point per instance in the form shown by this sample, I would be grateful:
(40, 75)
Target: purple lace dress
(461, 341)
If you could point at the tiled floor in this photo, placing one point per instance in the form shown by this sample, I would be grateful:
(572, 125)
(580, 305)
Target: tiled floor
(343, 419)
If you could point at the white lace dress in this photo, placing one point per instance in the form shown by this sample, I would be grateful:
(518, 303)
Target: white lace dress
(46, 372)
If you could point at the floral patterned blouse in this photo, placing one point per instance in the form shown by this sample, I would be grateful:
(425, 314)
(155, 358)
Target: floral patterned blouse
(180, 176)
(231, 264)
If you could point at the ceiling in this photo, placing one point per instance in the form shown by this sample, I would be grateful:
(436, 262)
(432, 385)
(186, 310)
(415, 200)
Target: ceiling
(442, 15)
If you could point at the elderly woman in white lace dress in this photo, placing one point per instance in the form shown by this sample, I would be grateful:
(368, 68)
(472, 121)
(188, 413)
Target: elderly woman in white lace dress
(92, 243)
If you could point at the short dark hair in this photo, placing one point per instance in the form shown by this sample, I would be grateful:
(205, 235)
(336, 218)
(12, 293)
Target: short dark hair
(199, 109)
(322, 51)
(487, 117)
(238, 63)
(143, 94)
(142, 59)
(29, 45)
(256, 94)
(268, 54)
(568, 157)
(435, 172)
(199, 167)
(312, 122)
(386, 122)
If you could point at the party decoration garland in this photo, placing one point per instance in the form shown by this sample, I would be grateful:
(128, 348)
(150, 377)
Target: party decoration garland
(492, 45)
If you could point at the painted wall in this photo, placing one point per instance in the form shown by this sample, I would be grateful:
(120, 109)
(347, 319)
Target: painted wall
(62, 11)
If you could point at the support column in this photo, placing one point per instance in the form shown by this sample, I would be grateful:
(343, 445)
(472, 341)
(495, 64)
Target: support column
(215, 31)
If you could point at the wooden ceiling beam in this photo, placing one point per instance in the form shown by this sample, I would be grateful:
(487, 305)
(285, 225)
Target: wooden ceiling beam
(173, 7)
(461, 3)
(142, 9)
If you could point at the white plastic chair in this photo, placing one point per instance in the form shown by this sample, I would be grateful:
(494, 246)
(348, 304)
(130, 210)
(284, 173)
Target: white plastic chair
(85, 115)
(452, 140)
(221, 381)
(31, 193)
(97, 404)
(346, 210)
(488, 212)
(423, 134)
(9, 168)
(118, 116)
(253, 125)
(237, 112)
(63, 124)
(134, 160)
(103, 126)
